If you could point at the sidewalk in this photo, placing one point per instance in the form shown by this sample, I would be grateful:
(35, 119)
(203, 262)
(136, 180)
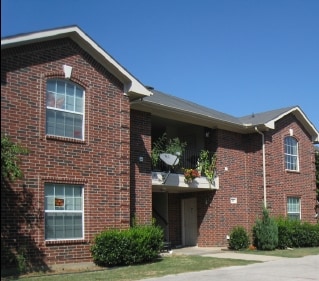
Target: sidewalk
(224, 253)
(285, 269)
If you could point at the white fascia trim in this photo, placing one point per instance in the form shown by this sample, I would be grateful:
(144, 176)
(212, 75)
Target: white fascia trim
(271, 124)
(315, 133)
(131, 84)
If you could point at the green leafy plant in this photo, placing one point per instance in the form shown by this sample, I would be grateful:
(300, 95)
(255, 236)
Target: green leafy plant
(22, 260)
(265, 232)
(295, 234)
(317, 170)
(206, 165)
(136, 245)
(165, 145)
(10, 158)
(317, 183)
(238, 238)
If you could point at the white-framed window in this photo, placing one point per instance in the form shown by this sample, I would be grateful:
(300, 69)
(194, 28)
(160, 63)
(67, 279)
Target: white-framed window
(64, 218)
(291, 154)
(293, 208)
(64, 109)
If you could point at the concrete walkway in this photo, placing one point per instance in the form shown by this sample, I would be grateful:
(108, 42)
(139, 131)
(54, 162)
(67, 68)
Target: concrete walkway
(271, 268)
(222, 253)
(284, 269)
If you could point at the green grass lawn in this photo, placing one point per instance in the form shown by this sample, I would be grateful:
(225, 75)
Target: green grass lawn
(290, 253)
(166, 265)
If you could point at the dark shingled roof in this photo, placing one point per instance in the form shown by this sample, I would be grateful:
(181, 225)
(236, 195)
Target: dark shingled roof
(185, 105)
(173, 102)
(264, 120)
(264, 117)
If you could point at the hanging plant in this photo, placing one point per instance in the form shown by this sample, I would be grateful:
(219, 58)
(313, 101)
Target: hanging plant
(206, 165)
(164, 145)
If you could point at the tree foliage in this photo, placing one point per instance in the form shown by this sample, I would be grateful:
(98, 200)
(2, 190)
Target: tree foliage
(317, 172)
(265, 232)
(10, 159)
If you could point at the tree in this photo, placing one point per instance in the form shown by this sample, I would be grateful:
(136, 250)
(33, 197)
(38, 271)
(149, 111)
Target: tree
(265, 232)
(317, 182)
(317, 171)
(10, 159)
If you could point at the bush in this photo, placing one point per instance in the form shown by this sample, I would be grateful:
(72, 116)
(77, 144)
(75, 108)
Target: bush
(138, 244)
(294, 233)
(285, 232)
(265, 232)
(238, 239)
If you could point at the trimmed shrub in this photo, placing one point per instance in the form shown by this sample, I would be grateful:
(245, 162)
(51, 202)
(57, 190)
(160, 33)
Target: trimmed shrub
(138, 244)
(285, 232)
(238, 239)
(294, 233)
(265, 232)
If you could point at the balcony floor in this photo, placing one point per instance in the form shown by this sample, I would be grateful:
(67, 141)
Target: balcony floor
(174, 183)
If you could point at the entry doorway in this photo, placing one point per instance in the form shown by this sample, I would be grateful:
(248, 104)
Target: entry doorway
(160, 212)
(189, 222)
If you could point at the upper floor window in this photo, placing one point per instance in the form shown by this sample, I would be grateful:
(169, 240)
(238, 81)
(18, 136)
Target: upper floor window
(64, 109)
(63, 211)
(291, 154)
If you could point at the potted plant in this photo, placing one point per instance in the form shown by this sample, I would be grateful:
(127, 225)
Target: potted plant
(206, 165)
(168, 146)
(190, 175)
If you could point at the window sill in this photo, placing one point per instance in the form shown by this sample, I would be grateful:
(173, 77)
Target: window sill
(64, 139)
(65, 242)
(292, 171)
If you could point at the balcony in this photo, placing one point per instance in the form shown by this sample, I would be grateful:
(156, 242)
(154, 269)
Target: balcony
(165, 181)
(171, 179)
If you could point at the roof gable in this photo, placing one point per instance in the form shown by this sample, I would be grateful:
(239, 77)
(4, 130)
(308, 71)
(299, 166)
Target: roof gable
(132, 87)
(269, 118)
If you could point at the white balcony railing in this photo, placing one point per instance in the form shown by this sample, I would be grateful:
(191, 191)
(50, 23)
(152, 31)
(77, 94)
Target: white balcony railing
(165, 179)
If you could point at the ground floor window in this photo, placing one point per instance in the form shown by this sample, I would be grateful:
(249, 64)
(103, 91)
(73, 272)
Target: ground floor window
(293, 208)
(63, 211)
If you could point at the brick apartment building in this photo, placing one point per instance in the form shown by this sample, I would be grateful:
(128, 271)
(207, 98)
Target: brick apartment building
(89, 126)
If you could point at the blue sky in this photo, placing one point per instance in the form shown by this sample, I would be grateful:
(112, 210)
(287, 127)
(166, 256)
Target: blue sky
(236, 56)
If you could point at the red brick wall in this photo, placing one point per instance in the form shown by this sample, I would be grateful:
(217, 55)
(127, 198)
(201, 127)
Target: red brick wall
(221, 215)
(101, 162)
(243, 179)
(240, 171)
(282, 183)
(141, 180)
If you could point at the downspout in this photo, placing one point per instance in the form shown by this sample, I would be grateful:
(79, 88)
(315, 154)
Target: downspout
(264, 165)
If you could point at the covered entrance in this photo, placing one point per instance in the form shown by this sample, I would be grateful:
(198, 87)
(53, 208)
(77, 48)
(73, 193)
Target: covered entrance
(177, 216)
(189, 222)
